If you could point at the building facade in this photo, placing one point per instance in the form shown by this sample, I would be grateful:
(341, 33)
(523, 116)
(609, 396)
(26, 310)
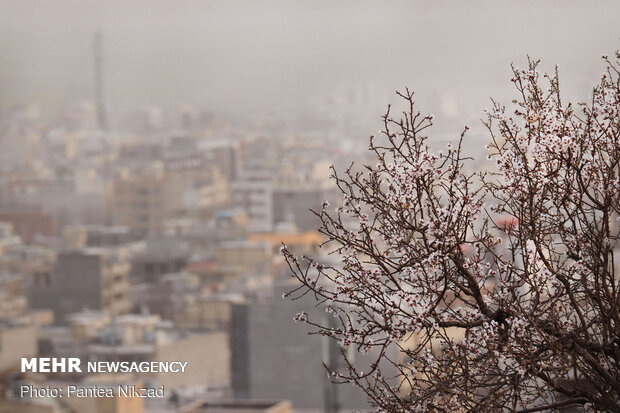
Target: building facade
(87, 278)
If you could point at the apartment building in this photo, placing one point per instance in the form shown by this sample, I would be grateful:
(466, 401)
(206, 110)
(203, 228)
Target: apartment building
(254, 193)
(87, 278)
(143, 200)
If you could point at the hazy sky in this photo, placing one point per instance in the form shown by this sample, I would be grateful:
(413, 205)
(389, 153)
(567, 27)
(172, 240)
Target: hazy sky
(256, 55)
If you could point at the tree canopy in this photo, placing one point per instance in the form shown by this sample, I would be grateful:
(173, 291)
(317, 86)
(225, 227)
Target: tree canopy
(498, 287)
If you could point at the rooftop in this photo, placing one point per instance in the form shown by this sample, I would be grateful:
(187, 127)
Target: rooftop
(237, 406)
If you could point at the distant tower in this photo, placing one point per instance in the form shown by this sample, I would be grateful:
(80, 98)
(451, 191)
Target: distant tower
(102, 120)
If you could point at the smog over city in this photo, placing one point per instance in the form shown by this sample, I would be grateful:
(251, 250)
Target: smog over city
(309, 206)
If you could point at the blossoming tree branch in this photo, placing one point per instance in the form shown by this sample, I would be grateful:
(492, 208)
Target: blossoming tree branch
(483, 291)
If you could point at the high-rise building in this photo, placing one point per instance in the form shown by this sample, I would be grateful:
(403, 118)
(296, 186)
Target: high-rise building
(273, 358)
